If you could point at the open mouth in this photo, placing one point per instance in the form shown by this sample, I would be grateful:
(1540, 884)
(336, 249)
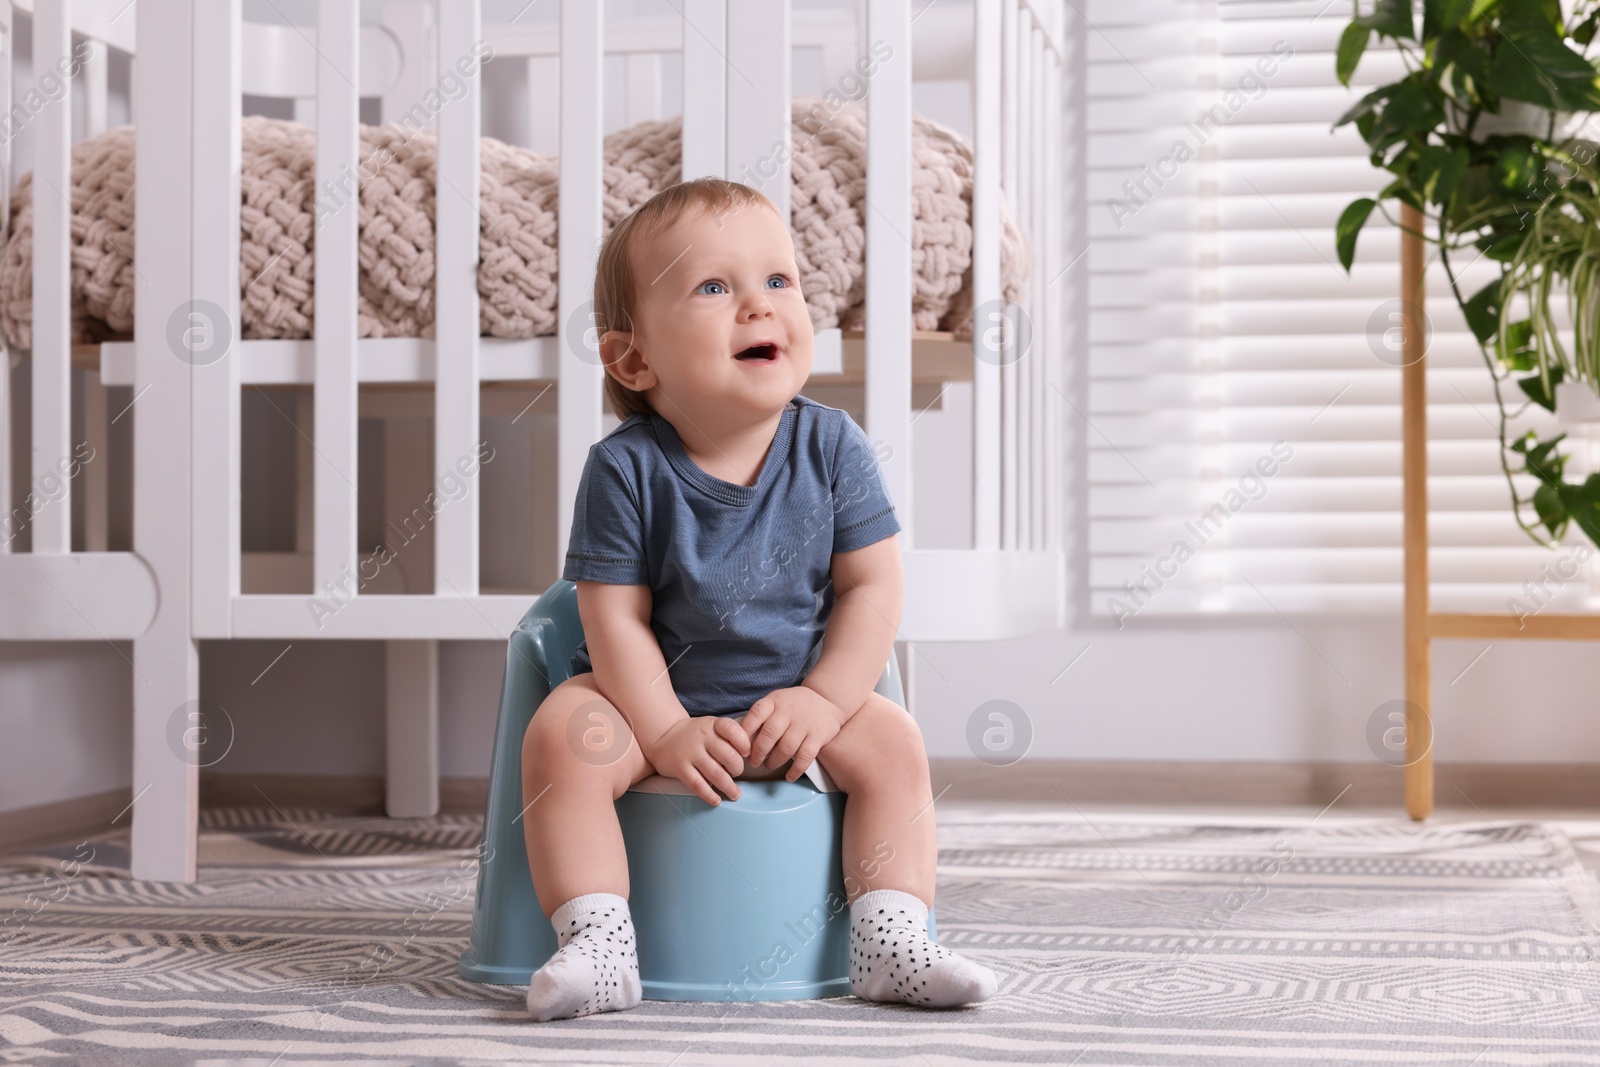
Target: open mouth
(762, 353)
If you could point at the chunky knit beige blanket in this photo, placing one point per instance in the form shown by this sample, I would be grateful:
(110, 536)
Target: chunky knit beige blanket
(517, 268)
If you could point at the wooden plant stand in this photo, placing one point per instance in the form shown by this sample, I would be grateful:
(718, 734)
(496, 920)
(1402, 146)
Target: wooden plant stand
(1421, 624)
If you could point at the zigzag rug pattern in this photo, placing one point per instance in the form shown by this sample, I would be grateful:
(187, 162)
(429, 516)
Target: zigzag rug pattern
(313, 938)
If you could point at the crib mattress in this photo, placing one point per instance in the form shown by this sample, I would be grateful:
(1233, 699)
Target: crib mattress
(517, 273)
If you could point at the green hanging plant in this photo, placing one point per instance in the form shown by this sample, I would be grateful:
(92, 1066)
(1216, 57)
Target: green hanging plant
(1473, 136)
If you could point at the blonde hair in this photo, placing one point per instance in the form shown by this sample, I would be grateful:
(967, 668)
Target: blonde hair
(615, 295)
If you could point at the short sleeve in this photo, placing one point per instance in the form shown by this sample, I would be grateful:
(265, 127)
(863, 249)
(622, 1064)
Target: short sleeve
(608, 536)
(862, 513)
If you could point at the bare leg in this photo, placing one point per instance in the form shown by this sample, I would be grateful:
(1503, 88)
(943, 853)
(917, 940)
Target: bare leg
(890, 838)
(569, 790)
(578, 756)
(890, 852)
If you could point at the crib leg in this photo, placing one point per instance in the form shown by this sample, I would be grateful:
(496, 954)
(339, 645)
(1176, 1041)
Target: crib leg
(166, 780)
(411, 693)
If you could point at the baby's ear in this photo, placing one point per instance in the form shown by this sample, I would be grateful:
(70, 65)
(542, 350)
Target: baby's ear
(623, 361)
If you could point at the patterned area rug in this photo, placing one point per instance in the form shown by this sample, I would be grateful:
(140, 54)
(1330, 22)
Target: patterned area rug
(1118, 941)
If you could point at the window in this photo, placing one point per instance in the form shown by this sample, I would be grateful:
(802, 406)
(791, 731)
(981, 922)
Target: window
(1244, 392)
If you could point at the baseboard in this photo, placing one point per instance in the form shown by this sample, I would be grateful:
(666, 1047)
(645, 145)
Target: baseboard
(64, 820)
(1246, 782)
(339, 794)
(1366, 783)
(354, 794)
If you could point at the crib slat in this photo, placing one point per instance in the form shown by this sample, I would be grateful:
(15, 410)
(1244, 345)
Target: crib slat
(52, 281)
(216, 373)
(888, 226)
(1023, 363)
(1010, 21)
(1028, 364)
(1036, 307)
(986, 149)
(8, 522)
(758, 97)
(95, 428)
(1008, 369)
(1064, 311)
(705, 89)
(338, 211)
(1042, 337)
(455, 423)
(578, 398)
(1049, 340)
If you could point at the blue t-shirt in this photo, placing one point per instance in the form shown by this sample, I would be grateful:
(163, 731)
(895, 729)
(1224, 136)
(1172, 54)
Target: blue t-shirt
(739, 575)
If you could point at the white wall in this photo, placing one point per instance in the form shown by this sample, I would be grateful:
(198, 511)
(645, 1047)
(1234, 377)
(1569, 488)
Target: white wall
(66, 721)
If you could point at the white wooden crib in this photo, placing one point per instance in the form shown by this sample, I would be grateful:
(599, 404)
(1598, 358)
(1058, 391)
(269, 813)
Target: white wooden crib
(187, 578)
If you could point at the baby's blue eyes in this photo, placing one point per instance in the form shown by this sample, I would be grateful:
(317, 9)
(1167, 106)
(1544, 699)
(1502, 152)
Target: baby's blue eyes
(783, 283)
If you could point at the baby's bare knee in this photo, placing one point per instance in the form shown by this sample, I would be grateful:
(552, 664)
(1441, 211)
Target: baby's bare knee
(880, 746)
(546, 750)
(902, 759)
(578, 737)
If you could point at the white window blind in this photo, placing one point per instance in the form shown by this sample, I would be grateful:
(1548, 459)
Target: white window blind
(1244, 392)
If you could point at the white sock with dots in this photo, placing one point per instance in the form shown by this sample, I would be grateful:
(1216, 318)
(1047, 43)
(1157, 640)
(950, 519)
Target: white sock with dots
(595, 968)
(891, 957)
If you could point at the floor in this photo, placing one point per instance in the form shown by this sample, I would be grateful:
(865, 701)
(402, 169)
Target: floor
(1123, 934)
(1582, 827)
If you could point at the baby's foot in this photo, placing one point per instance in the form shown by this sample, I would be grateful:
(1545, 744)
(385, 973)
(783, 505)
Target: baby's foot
(891, 957)
(595, 968)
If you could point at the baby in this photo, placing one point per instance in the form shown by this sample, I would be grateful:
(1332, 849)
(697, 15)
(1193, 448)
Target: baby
(739, 580)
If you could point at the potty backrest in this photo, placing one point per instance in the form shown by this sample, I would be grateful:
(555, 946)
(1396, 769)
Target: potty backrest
(556, 611)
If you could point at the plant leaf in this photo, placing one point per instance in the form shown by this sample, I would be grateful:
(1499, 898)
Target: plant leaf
(1464, 58)
(1413, 112)
(1352, 43)
(1537, 457)
(1503, 249)
(1548, 505)
(1483, 312)
(1518, 353)
(1350, 222)
(1584, 507)
(1439, 171)
(1441, 15)
(1533, 63)
(1583, 32)
(1366, 104)
(1533, 385)
(1516, 163)
(1579, 502)
(1392, 18)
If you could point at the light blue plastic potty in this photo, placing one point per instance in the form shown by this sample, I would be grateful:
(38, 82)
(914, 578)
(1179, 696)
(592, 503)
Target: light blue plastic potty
(742, 901)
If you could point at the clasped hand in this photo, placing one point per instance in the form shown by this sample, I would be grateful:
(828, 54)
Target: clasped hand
(703, 751)
(791, 723)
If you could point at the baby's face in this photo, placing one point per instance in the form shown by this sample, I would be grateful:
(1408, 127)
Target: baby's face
(710, 288)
